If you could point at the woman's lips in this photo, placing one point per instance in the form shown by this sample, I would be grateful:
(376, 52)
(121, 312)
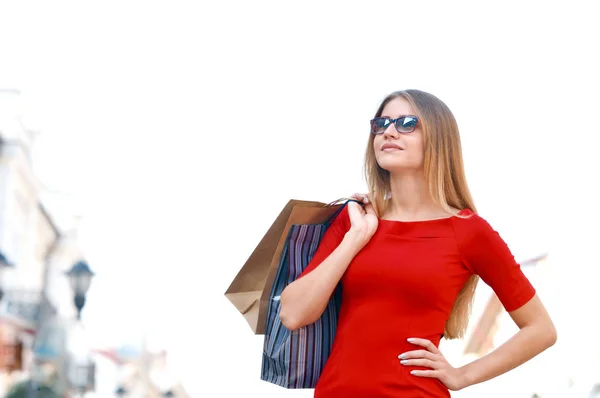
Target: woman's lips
(390, 148)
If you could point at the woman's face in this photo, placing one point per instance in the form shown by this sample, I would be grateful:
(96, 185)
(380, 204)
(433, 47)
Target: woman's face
(399, 152)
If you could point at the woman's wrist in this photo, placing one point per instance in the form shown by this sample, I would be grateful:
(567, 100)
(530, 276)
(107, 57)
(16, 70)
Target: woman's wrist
(465, 376)
(354, 241)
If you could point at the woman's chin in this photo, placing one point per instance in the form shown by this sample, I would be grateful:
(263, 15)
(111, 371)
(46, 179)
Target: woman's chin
(399, 167)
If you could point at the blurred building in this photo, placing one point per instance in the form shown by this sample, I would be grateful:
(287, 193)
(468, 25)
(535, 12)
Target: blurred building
(558, 372)
(491, 326)
(36, 309)
(27, 235)
(142, 373)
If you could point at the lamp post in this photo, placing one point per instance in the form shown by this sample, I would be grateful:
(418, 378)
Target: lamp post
(82, 371)
(80, 277)
(168, 394)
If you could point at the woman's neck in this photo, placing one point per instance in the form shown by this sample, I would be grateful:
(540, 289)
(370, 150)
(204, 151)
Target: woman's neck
(411, 198)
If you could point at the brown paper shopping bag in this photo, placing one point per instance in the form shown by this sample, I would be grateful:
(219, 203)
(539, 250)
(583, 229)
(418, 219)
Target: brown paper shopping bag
(250, 289)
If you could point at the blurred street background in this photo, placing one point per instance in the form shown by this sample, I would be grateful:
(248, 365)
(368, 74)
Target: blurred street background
(146, 147)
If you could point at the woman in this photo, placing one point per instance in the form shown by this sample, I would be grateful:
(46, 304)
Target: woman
(409, 261)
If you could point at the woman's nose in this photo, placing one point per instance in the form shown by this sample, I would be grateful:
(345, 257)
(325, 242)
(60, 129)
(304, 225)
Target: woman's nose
(391, 131)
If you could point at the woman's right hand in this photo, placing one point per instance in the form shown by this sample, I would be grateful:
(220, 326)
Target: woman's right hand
(363, 220)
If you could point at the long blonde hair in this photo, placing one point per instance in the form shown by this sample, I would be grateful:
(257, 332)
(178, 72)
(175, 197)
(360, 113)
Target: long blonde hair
(445, 176)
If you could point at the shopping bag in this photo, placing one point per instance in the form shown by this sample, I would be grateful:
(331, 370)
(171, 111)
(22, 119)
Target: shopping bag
(295, 359)
(250, 289)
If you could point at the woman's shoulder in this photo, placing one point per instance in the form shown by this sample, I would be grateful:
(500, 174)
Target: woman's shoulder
(341, 216)
(470, 226)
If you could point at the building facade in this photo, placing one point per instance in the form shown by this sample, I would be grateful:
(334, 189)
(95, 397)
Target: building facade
(36, 307)
(26, 235)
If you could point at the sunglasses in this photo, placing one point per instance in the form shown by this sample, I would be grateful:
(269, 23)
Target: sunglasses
(403, 124)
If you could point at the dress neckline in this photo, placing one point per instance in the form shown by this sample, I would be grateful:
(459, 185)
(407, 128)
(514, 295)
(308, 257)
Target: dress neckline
(462, 212)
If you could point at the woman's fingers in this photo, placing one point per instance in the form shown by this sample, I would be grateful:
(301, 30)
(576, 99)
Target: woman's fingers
(370, 210)
(427, 344)
(358, 197)
(361, 197)
(428, 363)
(355, 212)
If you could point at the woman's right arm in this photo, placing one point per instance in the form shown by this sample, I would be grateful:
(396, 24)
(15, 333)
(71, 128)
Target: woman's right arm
(304, 300)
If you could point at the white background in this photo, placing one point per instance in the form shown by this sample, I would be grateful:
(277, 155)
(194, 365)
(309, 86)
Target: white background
(184, 127)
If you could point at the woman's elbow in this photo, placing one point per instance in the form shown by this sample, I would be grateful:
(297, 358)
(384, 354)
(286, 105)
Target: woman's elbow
(551, 335)
(286, 314)
(289, 322)
(545, 333)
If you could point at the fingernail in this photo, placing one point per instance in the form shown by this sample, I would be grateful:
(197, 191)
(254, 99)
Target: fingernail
(410, 340)
(401, 356)
(412, 372)
(403, 362)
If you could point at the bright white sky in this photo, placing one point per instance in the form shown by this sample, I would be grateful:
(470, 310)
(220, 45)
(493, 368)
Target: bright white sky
(183, 128)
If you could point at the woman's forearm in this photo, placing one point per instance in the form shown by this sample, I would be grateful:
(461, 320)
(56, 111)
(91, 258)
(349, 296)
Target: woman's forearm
(528, 342)
(304, 300)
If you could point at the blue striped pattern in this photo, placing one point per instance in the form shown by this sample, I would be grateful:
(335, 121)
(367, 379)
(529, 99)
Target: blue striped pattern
(295, 359)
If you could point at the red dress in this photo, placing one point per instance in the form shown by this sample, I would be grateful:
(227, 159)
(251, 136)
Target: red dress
(403, 284)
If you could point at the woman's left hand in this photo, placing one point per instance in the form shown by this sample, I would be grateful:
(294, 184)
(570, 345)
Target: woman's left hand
(431, 357)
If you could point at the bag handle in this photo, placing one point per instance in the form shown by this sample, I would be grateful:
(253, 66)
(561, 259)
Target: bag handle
(338, 211)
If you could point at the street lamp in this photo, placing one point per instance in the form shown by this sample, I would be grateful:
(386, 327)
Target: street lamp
(81, 371)
(168, 394)
(4, 264)
(80, 278)
(120, 392)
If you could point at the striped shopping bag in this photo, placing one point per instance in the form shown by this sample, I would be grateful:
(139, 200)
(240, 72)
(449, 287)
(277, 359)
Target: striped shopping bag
(294, 359)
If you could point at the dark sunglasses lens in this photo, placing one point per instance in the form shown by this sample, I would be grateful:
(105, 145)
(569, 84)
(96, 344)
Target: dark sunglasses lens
(406, 124)
(378, 125)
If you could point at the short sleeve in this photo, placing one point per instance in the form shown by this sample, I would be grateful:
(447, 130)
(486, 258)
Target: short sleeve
(486, 254)
(330, 241)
